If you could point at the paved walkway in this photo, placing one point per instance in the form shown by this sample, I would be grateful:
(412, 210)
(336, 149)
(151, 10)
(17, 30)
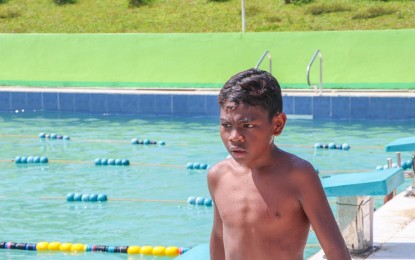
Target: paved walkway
(393, 230)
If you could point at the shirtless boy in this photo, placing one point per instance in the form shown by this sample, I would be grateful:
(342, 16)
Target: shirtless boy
(264, 198)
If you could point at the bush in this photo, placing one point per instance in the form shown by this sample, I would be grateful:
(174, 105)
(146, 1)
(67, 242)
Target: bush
(10, 12)
(64, 2)
(298, 2)
(137, 3)
(373, 12)
(390, 0)
(324, 8)
(251, 10)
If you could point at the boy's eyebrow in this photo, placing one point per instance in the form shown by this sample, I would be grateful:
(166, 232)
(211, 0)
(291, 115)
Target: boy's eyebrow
(246, 120)
(242, 120)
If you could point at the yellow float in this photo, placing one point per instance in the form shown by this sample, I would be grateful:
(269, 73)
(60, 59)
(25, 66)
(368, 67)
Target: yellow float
(42, 246)
(133, 250)
(65, 247)
(54, 246)
(159, 251)
(172, 251)
(78, 248)
(146, 250)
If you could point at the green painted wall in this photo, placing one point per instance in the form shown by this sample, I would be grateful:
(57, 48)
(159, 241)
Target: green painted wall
(351, 59)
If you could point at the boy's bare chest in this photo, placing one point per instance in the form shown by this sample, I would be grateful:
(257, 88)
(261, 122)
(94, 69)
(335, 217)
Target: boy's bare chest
(262, 202)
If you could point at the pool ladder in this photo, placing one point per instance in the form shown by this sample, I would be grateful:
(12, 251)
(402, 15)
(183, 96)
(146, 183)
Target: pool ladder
(318, 90)
(262, 58)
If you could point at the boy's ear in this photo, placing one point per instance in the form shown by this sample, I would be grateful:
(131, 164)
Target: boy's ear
(279, 123)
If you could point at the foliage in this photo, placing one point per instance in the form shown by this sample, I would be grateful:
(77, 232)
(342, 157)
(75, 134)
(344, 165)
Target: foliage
(10, 12)
(198, 16)
(64, 2)
(298, 2)
(389, 0)
(325, 7)
(373, 12)
(137, 3)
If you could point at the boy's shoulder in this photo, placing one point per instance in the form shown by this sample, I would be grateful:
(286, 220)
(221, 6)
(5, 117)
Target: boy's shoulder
(216, 172)
(220, 166)
(298, 165)
(295, 159)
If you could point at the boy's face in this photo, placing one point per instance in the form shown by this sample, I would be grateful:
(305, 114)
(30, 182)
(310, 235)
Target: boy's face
(247, 132)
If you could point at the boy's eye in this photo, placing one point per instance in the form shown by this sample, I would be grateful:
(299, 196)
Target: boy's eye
(248, 125)
(225, 125)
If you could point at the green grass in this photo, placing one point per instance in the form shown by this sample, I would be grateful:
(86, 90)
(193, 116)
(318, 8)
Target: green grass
(182, 16)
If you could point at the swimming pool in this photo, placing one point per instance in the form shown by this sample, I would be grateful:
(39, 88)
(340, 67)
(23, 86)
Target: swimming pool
(155, 185)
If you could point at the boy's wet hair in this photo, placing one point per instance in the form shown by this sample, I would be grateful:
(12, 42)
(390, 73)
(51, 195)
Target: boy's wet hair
(255, 88)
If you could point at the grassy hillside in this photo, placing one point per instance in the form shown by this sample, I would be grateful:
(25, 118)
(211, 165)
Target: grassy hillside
(180, 16)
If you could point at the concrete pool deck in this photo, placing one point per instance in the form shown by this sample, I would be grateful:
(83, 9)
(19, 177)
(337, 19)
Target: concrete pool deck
(393, 231)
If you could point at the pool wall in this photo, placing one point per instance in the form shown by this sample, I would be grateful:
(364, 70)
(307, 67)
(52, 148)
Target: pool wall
(351, 59)
(336, 106)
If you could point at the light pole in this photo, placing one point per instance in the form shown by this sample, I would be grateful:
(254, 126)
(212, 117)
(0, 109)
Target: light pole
(243, 15)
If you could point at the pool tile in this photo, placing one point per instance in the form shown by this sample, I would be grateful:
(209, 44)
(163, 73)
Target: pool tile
(303, 106)
(411, 108)
(399, 108)
(321, 107)
(34, 100)
(123, 104)
(5, 101)
(288, 104)
(212, 106)
(98, 103)
(341, 108)
(395, 106)
(147, 103)
(114, 103)
(359, 108)
(180, 104)
(337, 108)
(82, 102)
(379, 108)
(163, 104)
(66, 102)
(50, 101)
(18, 100)
(130, 104)
(196, 104)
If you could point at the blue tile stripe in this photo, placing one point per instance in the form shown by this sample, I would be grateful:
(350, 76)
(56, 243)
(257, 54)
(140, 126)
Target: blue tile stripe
(317, 107)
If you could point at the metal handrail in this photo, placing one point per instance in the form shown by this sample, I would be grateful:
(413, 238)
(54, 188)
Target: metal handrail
(262, 58)
(321, 72)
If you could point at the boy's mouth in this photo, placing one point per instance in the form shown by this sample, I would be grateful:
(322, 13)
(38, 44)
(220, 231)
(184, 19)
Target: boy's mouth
(237, 150)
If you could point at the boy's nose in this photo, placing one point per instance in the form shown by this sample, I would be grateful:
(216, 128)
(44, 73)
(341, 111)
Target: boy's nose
(236, 136)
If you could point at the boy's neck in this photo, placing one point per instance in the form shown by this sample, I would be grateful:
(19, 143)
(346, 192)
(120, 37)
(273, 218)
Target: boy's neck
(262, 162)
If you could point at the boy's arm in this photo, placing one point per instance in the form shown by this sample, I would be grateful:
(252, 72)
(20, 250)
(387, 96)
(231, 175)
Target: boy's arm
(217, 251)
(318, 211)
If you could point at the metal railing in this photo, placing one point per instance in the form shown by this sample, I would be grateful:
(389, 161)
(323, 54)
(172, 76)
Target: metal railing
(320, 87)
(262, 58)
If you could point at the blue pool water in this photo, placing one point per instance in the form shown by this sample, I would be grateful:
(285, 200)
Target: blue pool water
(32, 196)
